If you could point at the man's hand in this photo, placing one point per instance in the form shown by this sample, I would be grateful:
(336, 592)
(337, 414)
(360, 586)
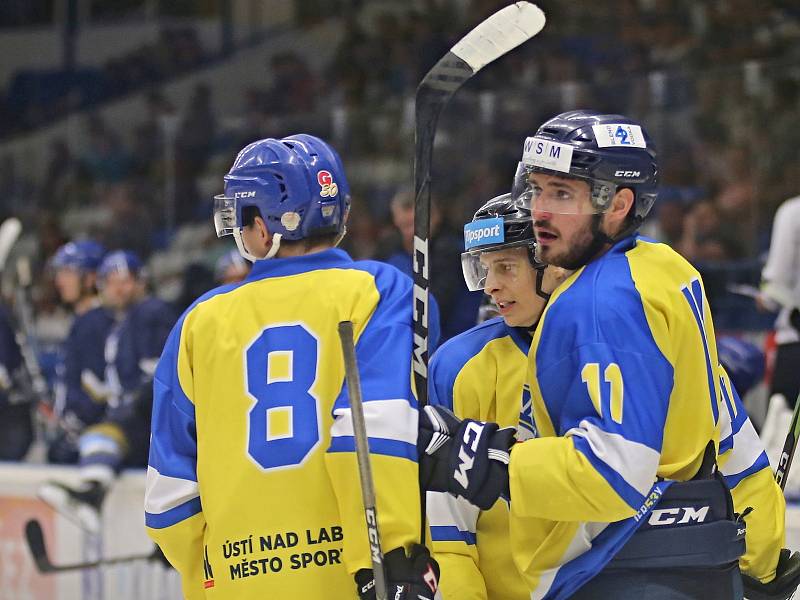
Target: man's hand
(414, 577)
(466, 458)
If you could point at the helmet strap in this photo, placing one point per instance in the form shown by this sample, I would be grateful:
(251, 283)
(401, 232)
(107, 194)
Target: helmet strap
(539, 268)
(247, 255)
(539, 280)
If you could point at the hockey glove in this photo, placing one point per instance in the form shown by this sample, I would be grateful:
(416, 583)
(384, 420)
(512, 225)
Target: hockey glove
(466, 458)
(407, 577)
(787, 578)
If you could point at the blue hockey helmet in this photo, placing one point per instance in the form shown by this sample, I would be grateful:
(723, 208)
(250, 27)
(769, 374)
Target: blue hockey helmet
(297, 184)
(743, 361)
(81, 255)
(608, 151)
(120, 261)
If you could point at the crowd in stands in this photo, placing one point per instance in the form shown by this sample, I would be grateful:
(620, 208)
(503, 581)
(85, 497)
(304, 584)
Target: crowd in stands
(716, 82)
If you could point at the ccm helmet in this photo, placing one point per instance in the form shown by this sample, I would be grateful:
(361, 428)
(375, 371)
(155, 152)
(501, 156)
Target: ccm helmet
(503, 222)
(609, 152)
(297, 184)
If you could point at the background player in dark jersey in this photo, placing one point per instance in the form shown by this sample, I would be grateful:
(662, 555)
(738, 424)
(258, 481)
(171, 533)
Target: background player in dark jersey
(132, 348)
(80, 396)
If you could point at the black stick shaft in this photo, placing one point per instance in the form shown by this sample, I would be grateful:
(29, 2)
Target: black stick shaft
(789, 447)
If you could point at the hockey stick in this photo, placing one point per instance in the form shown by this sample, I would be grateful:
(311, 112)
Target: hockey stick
(500, 33)
(35, 538)
(789, 447)
(362, 453)
(26, 338)
(9, 233)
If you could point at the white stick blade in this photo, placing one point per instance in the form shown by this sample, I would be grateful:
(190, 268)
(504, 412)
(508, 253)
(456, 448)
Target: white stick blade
(9, 232)
(503, 31)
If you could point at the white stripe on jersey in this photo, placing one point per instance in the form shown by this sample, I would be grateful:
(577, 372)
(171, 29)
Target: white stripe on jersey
(163, 493)
(635, 462)
(747, 447)
(445, 510)
(581, 543)
(387, 419)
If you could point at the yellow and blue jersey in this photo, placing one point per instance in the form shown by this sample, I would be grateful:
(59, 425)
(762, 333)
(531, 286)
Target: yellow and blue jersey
(252, 485)
(743, 463)
(479, 374)
(623, 371)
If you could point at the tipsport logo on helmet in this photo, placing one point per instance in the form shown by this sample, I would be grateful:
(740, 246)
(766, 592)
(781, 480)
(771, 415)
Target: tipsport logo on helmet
(328, 187)
(483, 233)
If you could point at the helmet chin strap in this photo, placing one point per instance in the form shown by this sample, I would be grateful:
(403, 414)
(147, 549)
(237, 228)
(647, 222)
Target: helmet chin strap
(276, 244)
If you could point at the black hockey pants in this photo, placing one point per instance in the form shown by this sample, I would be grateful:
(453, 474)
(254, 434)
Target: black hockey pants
(687, 549)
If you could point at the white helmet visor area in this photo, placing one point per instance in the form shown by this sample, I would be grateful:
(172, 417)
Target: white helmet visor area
(563, 196)
(226, 220)
(476, 264)
(474, 271)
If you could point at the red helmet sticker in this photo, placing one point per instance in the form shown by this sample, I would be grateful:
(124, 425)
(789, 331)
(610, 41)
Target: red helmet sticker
(328, 187)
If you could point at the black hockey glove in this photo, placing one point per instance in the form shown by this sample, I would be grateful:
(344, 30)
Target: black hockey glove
(466, 458)
(783, 586)
(407, 577)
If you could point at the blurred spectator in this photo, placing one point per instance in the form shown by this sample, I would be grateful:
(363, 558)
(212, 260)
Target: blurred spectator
(60, 176)
(16, 193)
(445, 248)
(231, 268)
(193, 146)
(104, 159)
(704, 237)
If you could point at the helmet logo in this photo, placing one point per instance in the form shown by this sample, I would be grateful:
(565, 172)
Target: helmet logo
(328, 187)
(627, 173)
(538, 152)
(250, 194)
(290, 220)
(619, 134)
(484, 232)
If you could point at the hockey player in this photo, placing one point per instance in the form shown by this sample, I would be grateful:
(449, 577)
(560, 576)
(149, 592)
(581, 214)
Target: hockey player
(480, 374)
(472, 547)
(625, 389)
(80, 397)
(252, 484)
(132, 348)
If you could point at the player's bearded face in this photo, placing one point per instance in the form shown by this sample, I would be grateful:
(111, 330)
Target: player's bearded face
(563, 236)
(511, 282)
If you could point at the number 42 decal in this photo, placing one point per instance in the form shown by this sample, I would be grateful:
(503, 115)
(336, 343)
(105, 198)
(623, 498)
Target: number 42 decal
(590, 375)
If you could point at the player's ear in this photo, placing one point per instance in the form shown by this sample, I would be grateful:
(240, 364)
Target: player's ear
(620, 207)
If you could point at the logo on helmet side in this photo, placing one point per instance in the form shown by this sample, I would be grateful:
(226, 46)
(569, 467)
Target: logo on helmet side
(250, 194)
(328, 187)
(627, 173)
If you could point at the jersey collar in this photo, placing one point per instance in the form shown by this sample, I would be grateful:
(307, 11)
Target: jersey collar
(281, 267)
